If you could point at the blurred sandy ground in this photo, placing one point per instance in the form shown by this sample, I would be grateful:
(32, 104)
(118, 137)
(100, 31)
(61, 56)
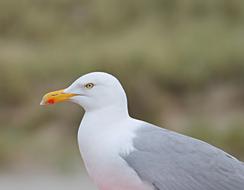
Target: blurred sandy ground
(45, 180)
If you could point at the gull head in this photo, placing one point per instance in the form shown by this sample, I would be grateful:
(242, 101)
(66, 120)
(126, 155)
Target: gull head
(91, 91)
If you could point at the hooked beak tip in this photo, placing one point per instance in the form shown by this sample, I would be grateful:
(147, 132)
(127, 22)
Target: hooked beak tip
(42, 103)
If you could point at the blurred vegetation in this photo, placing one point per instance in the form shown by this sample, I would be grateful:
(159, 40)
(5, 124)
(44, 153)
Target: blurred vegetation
(187, 55)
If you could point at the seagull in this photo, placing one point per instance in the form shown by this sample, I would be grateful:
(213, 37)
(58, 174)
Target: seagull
(123, 153)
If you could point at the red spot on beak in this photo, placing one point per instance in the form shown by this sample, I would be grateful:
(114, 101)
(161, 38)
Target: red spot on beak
(51, 101)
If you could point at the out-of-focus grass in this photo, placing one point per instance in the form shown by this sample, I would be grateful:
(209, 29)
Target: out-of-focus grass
(181, 62)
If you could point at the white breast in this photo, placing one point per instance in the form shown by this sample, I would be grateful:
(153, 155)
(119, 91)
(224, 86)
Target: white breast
(101, 147)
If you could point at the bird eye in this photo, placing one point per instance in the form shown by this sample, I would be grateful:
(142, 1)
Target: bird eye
(89, 85)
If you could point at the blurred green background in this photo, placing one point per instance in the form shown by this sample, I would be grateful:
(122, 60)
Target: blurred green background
(181, 63)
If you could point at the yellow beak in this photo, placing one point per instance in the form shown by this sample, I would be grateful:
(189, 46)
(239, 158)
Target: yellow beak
(55, 97)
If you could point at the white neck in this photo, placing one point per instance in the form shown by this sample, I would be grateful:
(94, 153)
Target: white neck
(106, 115)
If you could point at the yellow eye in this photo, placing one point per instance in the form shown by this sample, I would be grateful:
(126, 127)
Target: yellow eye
(89, 85)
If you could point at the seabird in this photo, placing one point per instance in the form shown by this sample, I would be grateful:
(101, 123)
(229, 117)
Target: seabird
(123, 153)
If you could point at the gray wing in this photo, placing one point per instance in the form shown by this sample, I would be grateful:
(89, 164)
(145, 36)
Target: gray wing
(171, 161)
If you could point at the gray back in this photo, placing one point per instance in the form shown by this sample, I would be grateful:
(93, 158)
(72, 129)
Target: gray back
(171, 161)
